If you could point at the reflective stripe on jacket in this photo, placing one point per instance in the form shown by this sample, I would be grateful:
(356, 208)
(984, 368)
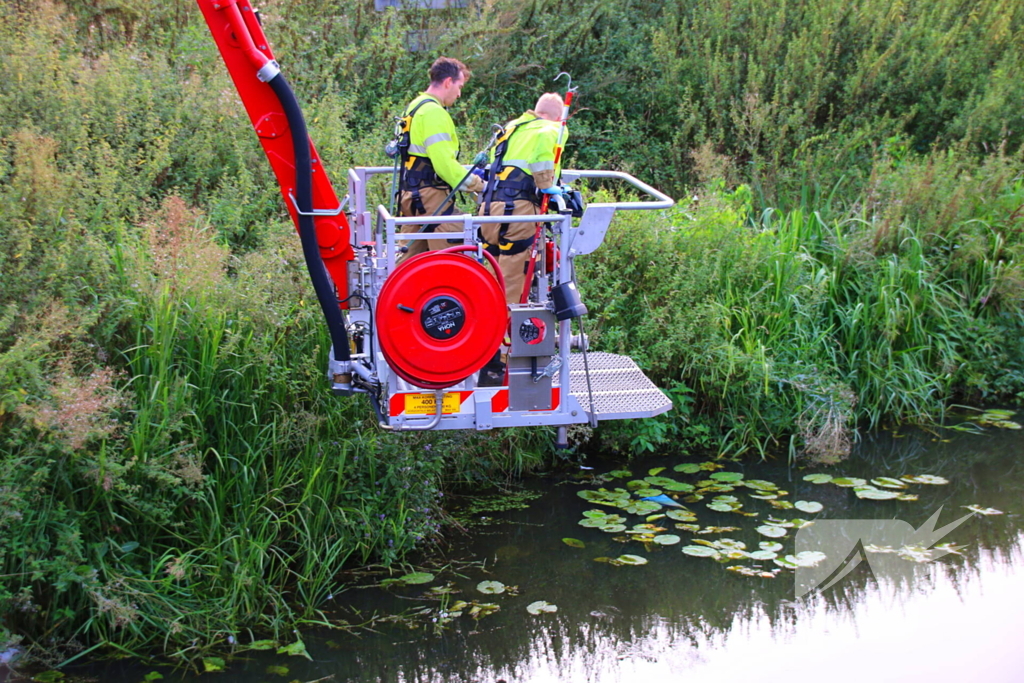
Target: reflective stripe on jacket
(532, 146)
(432, 135)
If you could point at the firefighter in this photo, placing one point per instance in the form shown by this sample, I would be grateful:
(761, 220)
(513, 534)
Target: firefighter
(522, 167)
(430, 166)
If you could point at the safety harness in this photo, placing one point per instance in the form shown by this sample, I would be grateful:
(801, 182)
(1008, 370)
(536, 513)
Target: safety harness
(417, 171)
(508, 184)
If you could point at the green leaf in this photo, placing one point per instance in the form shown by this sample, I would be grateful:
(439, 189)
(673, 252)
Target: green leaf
(771, 531)
(926, 479)
(889, 483)
(687, 468)
(818, 478)
(574, 543)
(871, 493)
(654, 471)
(808, 506)
(492, 587)
(417, 578)
(700, 551)
(633, 560)
(978, 510)
(848, 482)
(667, 539)
(152, 676)
(541, 607)
(726, 476)
(261, 645)
(211, 664)
(296, 649)
(277, 669)
(52, 676)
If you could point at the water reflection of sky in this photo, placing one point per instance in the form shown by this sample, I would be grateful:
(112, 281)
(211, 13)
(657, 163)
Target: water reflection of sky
(945, 631)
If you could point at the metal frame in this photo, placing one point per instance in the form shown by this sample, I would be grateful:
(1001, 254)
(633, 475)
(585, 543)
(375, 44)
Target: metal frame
(375, 237)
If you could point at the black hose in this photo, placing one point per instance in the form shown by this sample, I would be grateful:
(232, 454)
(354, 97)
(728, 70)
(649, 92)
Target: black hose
(325, 293)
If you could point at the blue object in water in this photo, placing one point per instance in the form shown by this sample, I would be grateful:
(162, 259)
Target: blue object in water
(663, 500)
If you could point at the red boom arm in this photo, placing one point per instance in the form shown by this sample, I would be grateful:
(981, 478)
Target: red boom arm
(245, 50)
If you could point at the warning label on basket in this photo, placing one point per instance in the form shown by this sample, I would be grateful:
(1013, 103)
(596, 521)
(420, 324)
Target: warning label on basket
(423, 404)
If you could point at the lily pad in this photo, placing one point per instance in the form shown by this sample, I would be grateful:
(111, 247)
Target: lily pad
(781, 504)
(978, 510)
(763, 555)
(574, 543)
(641, 507)
(591, 523)
(659, 481)
(726, 476)
(296, 649)
(648, 492)
(541, 607)
(620, 474)
(718, 529)
(211, 664)
(711, 466)
(613, 528)
(871, 493)
(416, 578)
(772, 546)
(687, 468)
(926, 479)
(667, 539)
(678, 487)
(907, 496)
(654, 471)
(771, 531)
(849, 482)
(889, 483)
(700, 551)
(596, 514)
(808, 506)
(483, 609)
(495, 587)
(681, 515)
(806, 558)
(721, 507)
(760, 485)
(633, 560)
(818, 478)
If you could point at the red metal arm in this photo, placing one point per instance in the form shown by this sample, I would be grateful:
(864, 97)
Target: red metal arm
(245, 50)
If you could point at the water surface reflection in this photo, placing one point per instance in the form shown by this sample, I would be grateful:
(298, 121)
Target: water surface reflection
(681, 617)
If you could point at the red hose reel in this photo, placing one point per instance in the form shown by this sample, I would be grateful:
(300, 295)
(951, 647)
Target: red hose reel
(440, 318)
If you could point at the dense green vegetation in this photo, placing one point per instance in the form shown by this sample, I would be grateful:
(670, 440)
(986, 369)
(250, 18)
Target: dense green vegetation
(172, 472)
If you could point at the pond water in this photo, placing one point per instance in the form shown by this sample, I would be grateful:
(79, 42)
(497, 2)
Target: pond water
(683, 617)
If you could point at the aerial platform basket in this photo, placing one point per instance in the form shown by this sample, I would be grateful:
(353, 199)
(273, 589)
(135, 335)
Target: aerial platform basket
(601, 386)
(413, 335)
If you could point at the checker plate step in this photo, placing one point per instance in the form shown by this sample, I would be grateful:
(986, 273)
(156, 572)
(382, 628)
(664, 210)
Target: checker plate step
(621, 390)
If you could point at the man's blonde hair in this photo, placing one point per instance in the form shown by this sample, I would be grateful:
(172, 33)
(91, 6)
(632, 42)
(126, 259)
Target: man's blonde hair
(549, 106)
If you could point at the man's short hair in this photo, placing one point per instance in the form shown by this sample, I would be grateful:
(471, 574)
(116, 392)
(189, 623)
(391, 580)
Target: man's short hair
(550, 104)
(446, 67)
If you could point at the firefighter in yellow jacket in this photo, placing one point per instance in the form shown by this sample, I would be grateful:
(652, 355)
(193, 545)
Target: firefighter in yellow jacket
(430, 166)
(522, 167)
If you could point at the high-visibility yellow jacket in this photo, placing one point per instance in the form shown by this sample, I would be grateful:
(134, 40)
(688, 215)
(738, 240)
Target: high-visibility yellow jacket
(432, 135)
(531, 148)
